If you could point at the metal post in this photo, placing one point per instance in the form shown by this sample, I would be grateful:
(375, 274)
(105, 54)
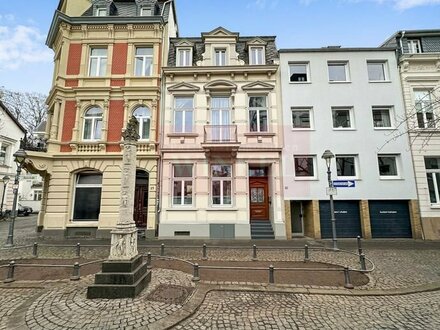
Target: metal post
(162, 249)
(347, 282)
(332, 213)
(11, 270)
(5, 185)
(271, 274)
(196, 275)
(149, 260)
(204, 255)
(10, 240)
(78, 250)
(359, 243)
(362, 261)
(35, 250)
(254, 253)
(306, 253)
(75, 274)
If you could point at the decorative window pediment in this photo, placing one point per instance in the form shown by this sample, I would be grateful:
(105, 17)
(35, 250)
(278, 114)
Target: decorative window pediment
(220, 32)
(183, 87)
(220, 86)
(256, 42)
(184, 43)
(258, 86)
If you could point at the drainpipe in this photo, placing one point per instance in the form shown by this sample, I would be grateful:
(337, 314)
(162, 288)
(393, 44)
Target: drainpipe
(400, 42)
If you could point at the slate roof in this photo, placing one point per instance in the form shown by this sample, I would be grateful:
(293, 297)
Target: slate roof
(241, 48)
(429, 39)
(3, 106)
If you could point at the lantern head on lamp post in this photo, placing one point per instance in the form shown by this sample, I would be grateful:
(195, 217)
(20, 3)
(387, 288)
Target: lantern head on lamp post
(19, 157)
(328, 156)
(5, 185)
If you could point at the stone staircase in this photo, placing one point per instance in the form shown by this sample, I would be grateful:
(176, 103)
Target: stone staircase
(261, 229)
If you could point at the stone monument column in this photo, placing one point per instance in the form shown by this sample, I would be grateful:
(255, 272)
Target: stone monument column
(124, 236)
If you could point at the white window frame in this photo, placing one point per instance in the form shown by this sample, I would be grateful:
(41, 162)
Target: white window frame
(390, 114)
(384, 65)
(144, 59)
(145, 11)
(184, 114)
(220, 60)
(221, 180)
(76, 185)
(187, 61)
(307, 66)
(414, 46)
(339, 63)
(311, 119)
(315, 169)
(258, 110)
(99, 10)
(141, 120)
(93, 119)
(38, 195)
(99, 59)
(253, 55)
(351, 114)
(7, 148)
(182, 180)
(432, 172)
(356, 166)
(397, 161)
(426, 104)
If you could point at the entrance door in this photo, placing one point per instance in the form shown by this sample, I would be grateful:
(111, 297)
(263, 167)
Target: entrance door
(297, 218)
(141, 199)
(259, 198)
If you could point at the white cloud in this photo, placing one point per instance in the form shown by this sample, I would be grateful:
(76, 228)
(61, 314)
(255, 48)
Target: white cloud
(20, 45)
(398, 4)
(263, 4)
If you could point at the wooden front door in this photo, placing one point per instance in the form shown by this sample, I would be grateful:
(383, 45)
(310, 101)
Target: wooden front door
(259, 198)
(140, 206)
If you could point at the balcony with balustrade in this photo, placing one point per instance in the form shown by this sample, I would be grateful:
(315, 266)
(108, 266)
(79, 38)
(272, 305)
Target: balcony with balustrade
(221, 139)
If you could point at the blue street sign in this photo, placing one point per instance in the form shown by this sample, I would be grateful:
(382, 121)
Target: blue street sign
(344, 184)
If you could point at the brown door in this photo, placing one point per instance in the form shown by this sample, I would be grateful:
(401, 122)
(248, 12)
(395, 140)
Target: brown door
(259, 198)
(140, 206)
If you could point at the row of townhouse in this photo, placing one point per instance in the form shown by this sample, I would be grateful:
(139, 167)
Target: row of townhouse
(232, 130)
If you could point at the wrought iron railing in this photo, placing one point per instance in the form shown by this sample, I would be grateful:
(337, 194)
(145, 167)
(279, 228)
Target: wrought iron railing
(32, 143)
(220, 133)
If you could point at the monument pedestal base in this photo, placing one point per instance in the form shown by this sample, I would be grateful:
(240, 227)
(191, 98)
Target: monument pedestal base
(120, 279)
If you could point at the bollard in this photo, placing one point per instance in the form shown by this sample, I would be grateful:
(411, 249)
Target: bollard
(196, 275)
(204, 255)
(11, 270)
(149, 260)
(359, 245)
(271, 274)
(306, 253)
(162, 250)
(362, 260)
(254, 253)
(347, 283)
(75, 274)
(35, 250)
(78, 249)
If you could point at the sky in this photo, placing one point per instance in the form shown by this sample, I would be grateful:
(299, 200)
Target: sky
(26, 63)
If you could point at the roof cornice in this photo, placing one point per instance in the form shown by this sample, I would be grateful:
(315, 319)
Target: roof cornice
(335, 50)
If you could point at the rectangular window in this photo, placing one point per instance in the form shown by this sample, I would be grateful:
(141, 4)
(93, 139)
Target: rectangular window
(414, 46)
(424, 109)
(145, 11)
(432, 165)
(342, 118)
(221, 120)
(144, 61)
(376, 71)
(3, 154)
(299, 72)
(101, 11)
(183, 114)
(258, 114)
(87, 204)
(338, 71)
(184, 57)
(98, 62)
(182, 184)
(304, 166)
(301, 118)
(256, 56)
(346, 166)
(38, 195)
(382, 117)
(387, 165)
(221, 180)
(220, 57)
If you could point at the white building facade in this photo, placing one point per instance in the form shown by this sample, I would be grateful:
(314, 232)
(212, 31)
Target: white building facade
(348, 101)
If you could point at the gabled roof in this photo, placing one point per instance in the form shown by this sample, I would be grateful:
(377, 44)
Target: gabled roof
(10, 115)
(220, 32)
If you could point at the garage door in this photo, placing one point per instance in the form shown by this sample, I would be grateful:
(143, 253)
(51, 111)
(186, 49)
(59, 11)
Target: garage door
(348, 222)
(390, 219)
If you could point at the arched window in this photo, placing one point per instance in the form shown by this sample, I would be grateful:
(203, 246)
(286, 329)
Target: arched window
(93, 124)
(87, 203)
(143, 115)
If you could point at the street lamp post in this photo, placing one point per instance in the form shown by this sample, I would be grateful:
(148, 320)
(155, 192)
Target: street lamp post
(5, 184)
(20, 157)
(327, 156)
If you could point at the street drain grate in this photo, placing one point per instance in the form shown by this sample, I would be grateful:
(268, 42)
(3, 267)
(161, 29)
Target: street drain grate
(170, 294)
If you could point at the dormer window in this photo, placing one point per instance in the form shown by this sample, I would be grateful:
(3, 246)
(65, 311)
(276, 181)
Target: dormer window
(184, 57)
(101, 11)
(256, 55)
(220, 57)
(145, 11)
(414, 46)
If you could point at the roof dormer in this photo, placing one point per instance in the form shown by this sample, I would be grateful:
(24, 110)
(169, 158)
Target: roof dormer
(184, 52)
(220, 48)
(257, 51)
(103, 8)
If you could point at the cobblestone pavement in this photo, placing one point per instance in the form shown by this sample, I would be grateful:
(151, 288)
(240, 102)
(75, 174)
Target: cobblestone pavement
(10, 300)
(250, 310)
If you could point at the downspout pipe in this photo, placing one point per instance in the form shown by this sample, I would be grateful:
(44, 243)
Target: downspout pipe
(402, 35)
